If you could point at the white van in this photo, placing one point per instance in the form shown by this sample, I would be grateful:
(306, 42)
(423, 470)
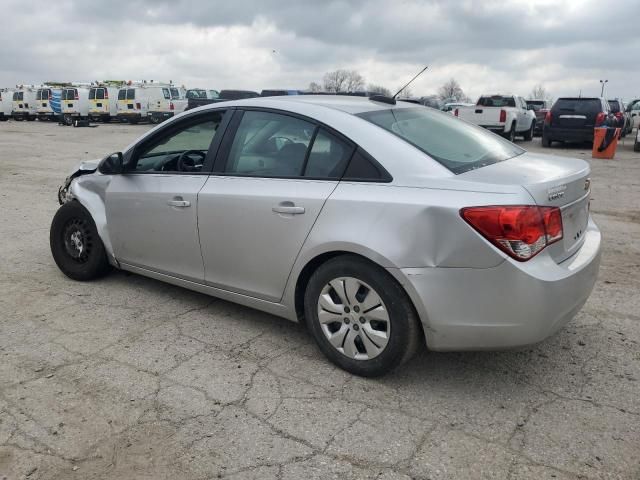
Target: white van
(6, 104)
(151, 101)
(48, 98)
(75, 103)
(24, 103)
(103, 101)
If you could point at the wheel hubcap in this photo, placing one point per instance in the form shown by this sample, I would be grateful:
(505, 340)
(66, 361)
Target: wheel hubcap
(77, 240)
(354, 318)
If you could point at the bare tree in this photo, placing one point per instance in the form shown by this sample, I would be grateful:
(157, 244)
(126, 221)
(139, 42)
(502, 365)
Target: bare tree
(452, 90)
(539, 93)
(343, 81)
(379, 89)
(315, 87)
(405, 93)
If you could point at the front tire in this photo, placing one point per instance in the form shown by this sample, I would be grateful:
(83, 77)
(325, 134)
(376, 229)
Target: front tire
(75, 244)
(360, 317)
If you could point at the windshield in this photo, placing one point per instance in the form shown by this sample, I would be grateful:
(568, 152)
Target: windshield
(457, 145)
(175, 94)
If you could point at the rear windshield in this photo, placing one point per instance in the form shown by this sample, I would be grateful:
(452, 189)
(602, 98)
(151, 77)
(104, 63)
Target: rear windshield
(457, 145)
(497, 101)
(69, 94)
(578, 105)
(175, 94)
(42, 95)
(131, 94)
(18, 95)
(536, 104)
(615, 106)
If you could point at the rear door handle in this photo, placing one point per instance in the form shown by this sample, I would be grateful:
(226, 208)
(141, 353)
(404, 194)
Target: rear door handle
(179, 202)
(288, 208)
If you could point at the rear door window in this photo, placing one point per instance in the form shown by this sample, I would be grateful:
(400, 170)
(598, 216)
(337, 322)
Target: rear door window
(100, 94)
(166, 94)
(131, 94)
(122, 94)
(269, 145)
(92, 94)
(328, 157)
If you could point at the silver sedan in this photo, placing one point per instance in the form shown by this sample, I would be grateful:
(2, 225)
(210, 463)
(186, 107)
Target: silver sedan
(382, 225)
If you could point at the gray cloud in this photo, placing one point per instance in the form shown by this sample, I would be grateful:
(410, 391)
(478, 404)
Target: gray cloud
(487, 45)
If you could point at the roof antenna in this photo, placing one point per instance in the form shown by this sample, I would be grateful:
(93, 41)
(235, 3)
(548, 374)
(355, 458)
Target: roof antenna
(410, 82)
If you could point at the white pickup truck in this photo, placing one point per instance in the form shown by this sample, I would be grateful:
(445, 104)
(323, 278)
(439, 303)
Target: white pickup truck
(507, 115)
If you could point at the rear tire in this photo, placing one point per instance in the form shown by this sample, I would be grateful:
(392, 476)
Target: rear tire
(528, 135)
(75, 244)
(546, 141)
(636, 146)
(511, 134)
(372, 305)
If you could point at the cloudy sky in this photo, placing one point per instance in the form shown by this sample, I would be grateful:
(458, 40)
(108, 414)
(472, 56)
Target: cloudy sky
(488, 46)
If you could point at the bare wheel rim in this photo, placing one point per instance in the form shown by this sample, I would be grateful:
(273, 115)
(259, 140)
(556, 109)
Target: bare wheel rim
(78, 241)
(353, 318)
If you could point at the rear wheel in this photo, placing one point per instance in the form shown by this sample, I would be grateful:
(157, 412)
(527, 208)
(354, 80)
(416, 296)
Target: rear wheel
(511, 134)
(528, 135)
(636, 146)
(75, 244)
(360, 317)
(546, 141)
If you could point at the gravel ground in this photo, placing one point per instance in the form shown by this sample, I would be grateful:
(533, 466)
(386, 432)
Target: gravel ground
(130, 378)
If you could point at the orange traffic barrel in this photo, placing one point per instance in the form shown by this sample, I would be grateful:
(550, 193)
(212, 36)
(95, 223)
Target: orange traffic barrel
(605, 142)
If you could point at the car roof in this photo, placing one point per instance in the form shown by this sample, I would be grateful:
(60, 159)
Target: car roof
(343, 103)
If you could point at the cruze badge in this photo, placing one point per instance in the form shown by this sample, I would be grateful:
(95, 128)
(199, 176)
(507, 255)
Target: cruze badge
(587, 183)
(556, 192)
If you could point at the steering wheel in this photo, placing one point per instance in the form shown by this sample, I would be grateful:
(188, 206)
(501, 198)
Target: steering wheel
(187, 163)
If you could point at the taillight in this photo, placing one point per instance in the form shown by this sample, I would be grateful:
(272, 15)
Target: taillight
(106, 94)
(618, 115)
(600, 118)
(171, 106)
(138, 106)
(521, 231)
(76, 97)
(455, 112)
(548, 117)
(503, 116)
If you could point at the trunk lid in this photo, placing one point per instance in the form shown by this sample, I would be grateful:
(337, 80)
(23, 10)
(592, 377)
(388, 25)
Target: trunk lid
(551, 181)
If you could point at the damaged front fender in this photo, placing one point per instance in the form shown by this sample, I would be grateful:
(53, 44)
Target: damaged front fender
(84, 168)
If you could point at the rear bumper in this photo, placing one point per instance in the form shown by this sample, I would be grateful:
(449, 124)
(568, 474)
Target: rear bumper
(161, 115)
(127, 115)
(568, 134)
(494, 128)
(511, 305)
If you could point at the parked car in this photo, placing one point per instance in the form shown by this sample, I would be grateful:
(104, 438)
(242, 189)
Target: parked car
(633, 109)
(225, 95)
(572, 119)
(540, 108)
(506, 115)
(49, 103)
(196, 97)
(279, 93)
(623, 118)
(103, 100)
(636, 144)
(299, 206)
(451, 106)
(75, 103)
(24, 106)
(6, 104)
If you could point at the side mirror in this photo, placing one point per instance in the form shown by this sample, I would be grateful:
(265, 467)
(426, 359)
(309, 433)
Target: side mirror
(112, 164)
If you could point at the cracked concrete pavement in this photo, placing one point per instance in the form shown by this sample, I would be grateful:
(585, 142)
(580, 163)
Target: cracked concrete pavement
(131, 378)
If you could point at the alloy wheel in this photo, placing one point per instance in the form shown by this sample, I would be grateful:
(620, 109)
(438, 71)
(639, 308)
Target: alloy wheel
(353, 318)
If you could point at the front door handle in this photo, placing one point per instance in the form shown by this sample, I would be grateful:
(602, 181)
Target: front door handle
(288, 208)
(179, 202)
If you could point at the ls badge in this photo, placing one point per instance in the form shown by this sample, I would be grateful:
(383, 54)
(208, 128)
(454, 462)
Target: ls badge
(554, 193)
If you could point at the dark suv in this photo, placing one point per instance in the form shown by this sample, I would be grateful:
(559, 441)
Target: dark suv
(572, 119)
